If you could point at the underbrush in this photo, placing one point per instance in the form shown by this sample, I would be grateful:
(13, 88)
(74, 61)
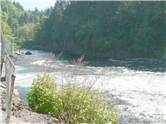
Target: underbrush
(43, 97)
(70, 104)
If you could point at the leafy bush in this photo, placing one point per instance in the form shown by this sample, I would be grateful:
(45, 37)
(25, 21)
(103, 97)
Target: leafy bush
(71, 105)
(43, 97)
(81, 105)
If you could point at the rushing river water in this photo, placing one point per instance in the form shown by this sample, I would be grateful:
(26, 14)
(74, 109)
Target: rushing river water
(137, 87)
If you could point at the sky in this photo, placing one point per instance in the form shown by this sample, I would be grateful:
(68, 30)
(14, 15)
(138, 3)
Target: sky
(32, 4)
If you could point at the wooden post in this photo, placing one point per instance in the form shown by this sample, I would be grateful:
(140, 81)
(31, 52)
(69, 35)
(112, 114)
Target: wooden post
(2, 61)
(10, 78)
(9, 69)
(10, 97)
(2, 53)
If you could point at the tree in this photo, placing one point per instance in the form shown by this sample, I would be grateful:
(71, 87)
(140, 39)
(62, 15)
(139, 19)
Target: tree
(107, 29)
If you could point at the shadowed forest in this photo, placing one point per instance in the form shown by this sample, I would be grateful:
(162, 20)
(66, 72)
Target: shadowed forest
(94, 29)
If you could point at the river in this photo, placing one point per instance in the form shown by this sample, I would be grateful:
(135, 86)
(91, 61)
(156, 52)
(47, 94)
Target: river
(137, 87)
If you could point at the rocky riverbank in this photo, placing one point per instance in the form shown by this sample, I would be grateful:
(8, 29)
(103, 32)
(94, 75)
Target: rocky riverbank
(23, 115)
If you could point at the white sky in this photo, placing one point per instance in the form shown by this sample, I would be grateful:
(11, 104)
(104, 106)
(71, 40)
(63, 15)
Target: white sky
(40, 4)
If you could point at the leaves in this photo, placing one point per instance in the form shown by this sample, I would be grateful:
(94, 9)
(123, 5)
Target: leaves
(71, 104)
(106, 29)
(43, 97)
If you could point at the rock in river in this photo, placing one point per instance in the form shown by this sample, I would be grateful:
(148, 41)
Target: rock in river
(28, 53)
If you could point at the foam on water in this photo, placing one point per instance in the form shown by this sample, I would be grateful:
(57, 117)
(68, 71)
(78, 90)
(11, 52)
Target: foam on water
(139, 95)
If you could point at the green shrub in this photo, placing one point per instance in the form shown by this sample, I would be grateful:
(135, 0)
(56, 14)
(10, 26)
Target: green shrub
(71, 105)
(81, 105)
(43, 96)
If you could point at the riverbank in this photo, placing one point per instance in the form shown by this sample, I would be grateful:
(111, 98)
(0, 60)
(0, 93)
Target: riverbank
(139, 64)
(28, 116)
(23, 115)
(67, 54)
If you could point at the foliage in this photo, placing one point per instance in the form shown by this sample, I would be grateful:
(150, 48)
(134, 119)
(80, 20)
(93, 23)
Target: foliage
(119, 29)
(71, 104)
(80, 105)
(26, 33)
(18, 24)
(8, 36)
(43, 97)
(106, 29)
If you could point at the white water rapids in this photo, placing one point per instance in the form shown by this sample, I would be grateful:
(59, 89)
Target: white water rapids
(140, 96)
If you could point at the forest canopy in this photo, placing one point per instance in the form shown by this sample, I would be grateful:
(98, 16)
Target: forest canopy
(18, 25)
(119, 29)
(106, 29)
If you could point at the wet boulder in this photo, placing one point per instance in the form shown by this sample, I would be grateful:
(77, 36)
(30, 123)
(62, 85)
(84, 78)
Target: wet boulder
(28, 53)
